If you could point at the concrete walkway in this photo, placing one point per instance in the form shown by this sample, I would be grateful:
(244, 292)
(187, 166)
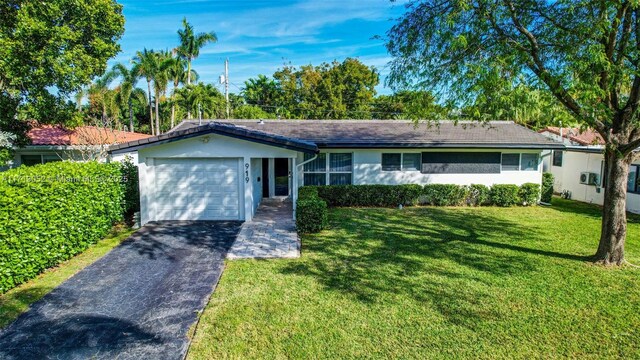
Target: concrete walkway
(137, 302)
(271, 233)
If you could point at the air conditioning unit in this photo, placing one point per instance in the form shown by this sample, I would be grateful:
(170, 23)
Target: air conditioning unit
(588, 178)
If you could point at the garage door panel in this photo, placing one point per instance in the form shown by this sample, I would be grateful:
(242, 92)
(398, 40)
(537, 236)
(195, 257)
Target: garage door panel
(197, 189)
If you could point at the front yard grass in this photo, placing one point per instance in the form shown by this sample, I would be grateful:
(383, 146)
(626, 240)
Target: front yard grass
(433, 283)
(17, 300)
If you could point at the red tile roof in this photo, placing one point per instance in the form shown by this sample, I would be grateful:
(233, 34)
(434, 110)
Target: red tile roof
(582, 137)
(82, 135)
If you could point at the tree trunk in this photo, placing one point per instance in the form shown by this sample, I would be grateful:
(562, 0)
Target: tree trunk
(150, 107)
(189, 83)
(130, 116)
(157, 112)
(173, 104)
(614, 216)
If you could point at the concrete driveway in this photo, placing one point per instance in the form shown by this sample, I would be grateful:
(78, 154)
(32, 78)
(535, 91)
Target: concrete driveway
(138, 301)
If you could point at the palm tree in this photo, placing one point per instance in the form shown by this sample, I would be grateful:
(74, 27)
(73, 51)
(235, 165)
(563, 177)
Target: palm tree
(203, 97)
(128, 80)
(191, 43)
(99, 92)
(160, 80)
(146, 62)
(177, 72)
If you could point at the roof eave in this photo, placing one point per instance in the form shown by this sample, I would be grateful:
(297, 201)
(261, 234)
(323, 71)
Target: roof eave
(374, 145)
(242, 134)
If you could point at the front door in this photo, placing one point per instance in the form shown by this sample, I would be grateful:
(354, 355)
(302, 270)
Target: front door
(281, 171)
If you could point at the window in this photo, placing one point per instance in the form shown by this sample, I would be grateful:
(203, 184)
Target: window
(411, 162)
(557, 158)
(529, 162)
(401, 162)
(632, 182)
(522, 162)
(391, 162)
(460, 163)
(30, 160)
(340, 167)
(510, 162)
(50, 158)
(332, 169)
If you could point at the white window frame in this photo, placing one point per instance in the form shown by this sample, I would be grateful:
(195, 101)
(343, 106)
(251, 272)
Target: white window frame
(519, 161)
(328, 172)
(402, 154)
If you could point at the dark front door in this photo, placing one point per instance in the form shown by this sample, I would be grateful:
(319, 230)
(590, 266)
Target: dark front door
(265, 178)
(281, 170)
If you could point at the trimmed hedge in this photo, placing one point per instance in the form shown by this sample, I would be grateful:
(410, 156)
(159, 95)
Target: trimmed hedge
(529, 194)
(504, 194)
(444, 195)
(478, 195)
(370, 195)
(51, 212)
(547, 188)
(430, 194)
(311, 211)
(130, 187)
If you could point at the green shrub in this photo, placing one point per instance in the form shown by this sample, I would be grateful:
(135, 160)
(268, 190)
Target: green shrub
(130, 187)
(444, 194)
(307, 191)
(529, 194)
(547, 188)
(504, 194)
(370, 195)
(311, 211)
(51, 212)
(478, 195)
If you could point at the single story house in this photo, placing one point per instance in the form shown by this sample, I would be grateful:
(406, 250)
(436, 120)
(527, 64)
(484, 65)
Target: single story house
(56, 143)
(578, 170)
(221, 170)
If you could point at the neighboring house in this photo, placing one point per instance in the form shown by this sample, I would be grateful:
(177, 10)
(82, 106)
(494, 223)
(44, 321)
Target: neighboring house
(222, 170)
(55, 143)
(578, 170)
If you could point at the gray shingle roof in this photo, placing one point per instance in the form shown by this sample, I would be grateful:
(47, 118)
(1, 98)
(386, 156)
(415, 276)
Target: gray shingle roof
(398, 133)
(214, 127)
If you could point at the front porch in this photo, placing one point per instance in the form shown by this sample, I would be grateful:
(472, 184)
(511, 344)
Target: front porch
(270, 234)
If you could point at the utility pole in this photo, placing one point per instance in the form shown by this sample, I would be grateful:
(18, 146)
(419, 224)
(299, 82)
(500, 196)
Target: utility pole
(226, 83)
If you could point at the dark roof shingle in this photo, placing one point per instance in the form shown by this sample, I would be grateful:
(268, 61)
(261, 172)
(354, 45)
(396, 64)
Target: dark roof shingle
(397, 133)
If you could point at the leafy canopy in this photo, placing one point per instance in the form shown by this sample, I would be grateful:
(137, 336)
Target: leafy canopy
(585, 53)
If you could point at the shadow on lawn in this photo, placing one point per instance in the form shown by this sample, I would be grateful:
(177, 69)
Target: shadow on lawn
(447, 259)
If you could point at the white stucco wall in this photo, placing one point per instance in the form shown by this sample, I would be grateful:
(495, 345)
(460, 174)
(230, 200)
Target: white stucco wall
(206, 146)
(367, 169)
(567, 177)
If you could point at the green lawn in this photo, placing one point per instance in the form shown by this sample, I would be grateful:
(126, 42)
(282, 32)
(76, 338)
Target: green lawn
(433, 283)
(17, 300)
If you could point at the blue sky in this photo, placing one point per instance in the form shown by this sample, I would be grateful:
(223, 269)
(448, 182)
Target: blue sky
(259, 36)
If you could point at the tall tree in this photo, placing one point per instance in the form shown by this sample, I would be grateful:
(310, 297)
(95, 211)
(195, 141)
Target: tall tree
(203, 98)
(191, 43)
(101, 96)
(128, 81)
(54, 44)
(164, 61)
(586, 53)
(176, 68)
(146, 62)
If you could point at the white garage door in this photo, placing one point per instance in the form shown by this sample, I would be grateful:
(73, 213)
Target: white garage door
(197, 189)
